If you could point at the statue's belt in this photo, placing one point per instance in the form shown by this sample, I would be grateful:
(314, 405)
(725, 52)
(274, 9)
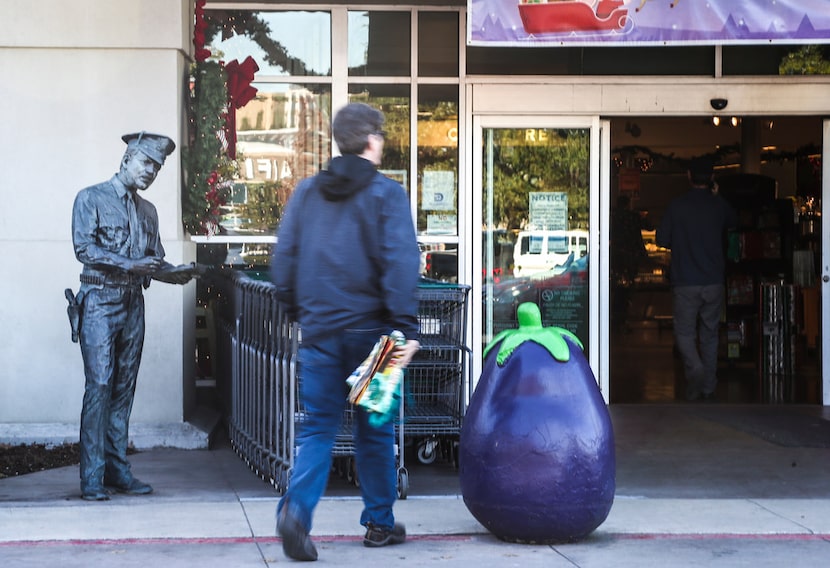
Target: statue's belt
(112, 279)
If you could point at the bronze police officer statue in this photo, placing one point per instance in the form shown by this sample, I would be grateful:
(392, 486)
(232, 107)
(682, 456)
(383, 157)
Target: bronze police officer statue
(115, 233)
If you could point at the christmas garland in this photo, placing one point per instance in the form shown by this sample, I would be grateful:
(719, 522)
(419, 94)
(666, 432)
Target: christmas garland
(645, 156)
(209, 171)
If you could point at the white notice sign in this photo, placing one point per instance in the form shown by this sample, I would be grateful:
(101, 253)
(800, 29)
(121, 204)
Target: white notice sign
(548, 210)
(438, 224)
(438, 191)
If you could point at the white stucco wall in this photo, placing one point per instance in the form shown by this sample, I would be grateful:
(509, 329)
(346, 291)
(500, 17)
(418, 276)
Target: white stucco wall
(79, 74)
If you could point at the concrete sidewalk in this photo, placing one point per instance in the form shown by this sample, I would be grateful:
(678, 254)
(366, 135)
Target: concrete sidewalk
(691, 492)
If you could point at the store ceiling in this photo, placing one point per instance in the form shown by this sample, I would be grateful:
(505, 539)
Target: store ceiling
(684, 137)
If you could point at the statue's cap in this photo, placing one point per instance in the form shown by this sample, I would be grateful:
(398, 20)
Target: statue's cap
(155, 146)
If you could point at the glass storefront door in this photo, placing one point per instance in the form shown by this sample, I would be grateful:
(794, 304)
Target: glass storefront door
(538, 203)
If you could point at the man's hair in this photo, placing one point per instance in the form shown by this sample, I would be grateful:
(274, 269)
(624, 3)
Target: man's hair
(352, 126)
(701, 170)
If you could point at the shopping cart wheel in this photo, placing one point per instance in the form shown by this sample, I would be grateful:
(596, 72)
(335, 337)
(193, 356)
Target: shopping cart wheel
(351, 472)
(282, 481)
(403, 483)
(426, 451)
(285, 480)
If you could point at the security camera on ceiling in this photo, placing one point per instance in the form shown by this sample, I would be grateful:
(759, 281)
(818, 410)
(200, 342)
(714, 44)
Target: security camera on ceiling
(718, 104)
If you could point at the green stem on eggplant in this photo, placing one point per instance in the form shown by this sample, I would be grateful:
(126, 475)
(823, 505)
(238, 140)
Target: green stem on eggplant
(531, 329)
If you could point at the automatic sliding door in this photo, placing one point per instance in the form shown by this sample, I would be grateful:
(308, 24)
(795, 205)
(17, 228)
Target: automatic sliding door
(539, 211)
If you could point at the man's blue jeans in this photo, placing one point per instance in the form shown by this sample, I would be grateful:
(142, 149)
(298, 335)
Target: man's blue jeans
(323, 369)
(697, 313)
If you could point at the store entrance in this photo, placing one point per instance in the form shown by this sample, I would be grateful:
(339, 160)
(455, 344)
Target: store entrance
(769, 168)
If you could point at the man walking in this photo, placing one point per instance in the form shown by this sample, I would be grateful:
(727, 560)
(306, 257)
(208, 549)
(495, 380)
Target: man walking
(693, 227)
(346, 265)
(115, 233)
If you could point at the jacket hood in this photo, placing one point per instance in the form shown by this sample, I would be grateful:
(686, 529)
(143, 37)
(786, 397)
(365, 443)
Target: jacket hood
(345, 176)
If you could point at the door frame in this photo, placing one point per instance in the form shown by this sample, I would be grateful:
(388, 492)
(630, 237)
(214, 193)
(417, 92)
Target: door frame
(824, 296)
(599, 182)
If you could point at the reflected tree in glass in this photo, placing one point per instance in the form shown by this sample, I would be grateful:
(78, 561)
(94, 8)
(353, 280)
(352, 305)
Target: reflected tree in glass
(560, 163)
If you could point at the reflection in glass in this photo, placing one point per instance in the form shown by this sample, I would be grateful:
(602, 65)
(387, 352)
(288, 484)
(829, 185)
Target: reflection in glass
(438, 160)
(252, 257)
(379, 44)
(663, 60)
(282, 137)
(438, 44)
(393, 101)
(440, 261)
(535, 242)
(282, 43)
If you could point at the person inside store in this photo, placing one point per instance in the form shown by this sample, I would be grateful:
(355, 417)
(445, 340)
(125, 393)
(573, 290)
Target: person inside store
(345, 266)
(115, 234)
(627, 254)
(694, 227)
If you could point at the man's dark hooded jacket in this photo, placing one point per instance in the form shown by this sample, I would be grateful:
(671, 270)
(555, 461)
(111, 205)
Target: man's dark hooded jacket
(346, 255)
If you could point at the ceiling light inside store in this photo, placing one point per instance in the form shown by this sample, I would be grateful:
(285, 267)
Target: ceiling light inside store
(716, 120)
(735, 121)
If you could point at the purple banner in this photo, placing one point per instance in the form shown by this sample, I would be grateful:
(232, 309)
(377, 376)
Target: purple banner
(532, 23)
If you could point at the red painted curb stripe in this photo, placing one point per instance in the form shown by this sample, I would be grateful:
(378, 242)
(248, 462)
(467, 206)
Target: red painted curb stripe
(722, 536)
(799, 537)
(206, 540)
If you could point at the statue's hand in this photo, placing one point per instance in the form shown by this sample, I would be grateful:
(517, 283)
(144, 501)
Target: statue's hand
(181, 274)
(178, 278)
(146, 266)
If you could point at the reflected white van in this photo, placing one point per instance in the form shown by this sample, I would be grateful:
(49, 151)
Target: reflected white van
(543, 250)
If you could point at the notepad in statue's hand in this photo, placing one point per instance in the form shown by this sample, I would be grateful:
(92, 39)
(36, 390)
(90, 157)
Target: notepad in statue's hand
(180, 274)
(376, 383)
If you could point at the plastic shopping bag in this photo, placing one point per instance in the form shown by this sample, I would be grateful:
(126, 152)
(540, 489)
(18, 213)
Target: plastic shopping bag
(376, 383)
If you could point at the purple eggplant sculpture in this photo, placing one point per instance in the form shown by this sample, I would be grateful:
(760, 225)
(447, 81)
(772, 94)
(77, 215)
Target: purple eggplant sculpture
(536, 453)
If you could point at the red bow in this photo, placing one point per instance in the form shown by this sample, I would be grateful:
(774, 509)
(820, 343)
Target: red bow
(240, 93)
(240, 75)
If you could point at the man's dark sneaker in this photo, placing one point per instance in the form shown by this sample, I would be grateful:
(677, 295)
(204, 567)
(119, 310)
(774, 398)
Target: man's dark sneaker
(95, 494)
(296, 543)
(377, 536)
(131, 487)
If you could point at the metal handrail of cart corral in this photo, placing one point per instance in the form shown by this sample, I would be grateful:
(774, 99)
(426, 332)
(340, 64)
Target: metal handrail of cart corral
(255, 376)
(261, 358)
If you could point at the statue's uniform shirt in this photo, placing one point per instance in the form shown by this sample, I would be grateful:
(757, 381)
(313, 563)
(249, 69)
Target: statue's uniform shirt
(112, 321)
(101, 231)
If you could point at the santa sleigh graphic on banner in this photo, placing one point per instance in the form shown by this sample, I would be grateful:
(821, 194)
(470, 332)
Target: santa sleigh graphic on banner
(647, 22)
(572, 16)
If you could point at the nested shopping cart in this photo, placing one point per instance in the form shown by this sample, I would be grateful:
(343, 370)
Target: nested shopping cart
(257, 348)
(436, 389)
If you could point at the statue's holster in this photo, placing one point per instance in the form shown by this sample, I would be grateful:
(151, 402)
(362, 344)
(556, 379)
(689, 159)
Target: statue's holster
(73, 310)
